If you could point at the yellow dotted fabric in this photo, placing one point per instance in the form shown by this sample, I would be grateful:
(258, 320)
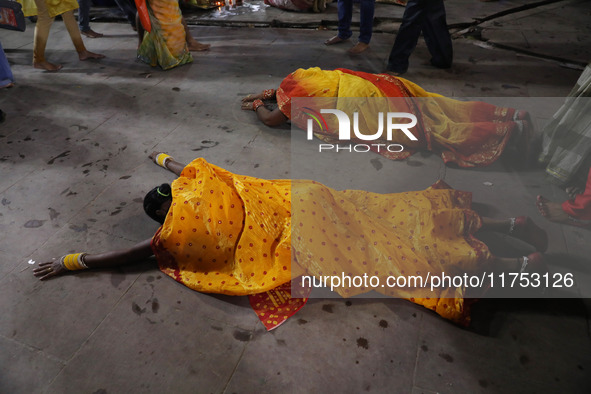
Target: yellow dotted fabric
(226, 233)
(233, 234)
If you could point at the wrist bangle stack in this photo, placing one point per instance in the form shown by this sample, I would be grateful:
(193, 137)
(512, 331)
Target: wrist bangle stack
(256, 104)
(268, 94)
(74, 261)
(162, 158)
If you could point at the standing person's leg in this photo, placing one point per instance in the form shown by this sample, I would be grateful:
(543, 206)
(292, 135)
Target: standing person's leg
(140, 30)
(41, 35)
(6, 77)
(407, 37)
(366, 9)
(129, 9)
(84, 19)
(72, 27)
(193, 44)
(437, 35)
(345, 11)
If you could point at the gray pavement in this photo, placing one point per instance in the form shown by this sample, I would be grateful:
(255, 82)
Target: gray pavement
(73, 159)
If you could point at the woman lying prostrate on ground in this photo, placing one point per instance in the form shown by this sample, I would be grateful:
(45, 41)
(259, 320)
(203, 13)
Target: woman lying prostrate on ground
(467, 133)
(232, 234)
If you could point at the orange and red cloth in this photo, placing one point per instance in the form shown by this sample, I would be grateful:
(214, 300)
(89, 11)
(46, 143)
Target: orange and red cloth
(580, 207)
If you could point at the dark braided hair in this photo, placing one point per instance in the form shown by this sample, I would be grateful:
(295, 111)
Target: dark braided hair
(154, 200)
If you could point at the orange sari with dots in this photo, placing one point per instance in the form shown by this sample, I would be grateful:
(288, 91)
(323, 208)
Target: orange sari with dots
(233, 234)
(468, 133)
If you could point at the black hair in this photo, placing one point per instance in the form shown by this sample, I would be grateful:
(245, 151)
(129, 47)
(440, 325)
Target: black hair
(154, 200)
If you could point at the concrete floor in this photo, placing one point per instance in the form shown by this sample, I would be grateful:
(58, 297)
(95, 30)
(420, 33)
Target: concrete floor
(73, 159)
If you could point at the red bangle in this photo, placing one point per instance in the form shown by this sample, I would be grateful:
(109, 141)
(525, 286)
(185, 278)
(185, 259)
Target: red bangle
(256, 104)
(268, 94)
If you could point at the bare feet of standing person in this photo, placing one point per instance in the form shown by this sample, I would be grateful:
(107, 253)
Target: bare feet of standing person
(196, 46)
(45, 65)
(43, 26)
(192, 43)
(86, 54)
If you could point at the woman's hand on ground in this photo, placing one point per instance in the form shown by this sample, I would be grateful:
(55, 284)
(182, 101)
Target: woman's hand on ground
(247, 105)
(251, 97)
(49, 269)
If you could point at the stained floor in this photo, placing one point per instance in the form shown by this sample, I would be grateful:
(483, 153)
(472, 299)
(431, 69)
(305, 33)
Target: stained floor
(73, 159)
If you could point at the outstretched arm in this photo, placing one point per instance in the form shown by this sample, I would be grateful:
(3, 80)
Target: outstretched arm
(255, 103)
(134, 254)
(270, 118)
(167, 162)
(267, 94)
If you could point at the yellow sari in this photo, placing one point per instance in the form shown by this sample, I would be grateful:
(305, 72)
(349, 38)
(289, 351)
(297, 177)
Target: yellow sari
(165, 44)
(236, 235)
(54, 7)
(466, 133)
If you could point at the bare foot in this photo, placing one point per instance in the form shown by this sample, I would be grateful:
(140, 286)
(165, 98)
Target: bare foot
(7, 86)
(335, 40)
(45, 65)
(85, 55)
(393, 73)
(358, 48)
(551, 210)
(91, 33)
(196, 46)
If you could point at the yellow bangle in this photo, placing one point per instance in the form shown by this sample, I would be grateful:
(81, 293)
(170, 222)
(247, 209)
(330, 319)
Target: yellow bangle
(161, 159)
(74, 261)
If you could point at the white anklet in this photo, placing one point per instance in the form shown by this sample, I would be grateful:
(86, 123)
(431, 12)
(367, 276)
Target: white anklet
(524, 264)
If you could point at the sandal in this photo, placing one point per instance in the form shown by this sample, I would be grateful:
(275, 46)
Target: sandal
(525, 229)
